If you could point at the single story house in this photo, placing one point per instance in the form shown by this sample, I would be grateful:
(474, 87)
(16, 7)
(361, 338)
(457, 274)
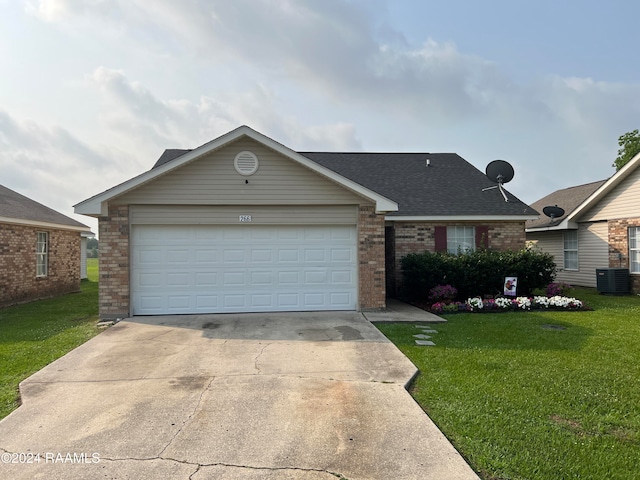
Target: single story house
(245, 224)
(600, 228)
(40, 250)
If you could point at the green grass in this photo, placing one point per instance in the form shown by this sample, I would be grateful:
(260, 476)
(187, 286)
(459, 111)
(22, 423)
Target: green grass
(521, 401)
(35, 334)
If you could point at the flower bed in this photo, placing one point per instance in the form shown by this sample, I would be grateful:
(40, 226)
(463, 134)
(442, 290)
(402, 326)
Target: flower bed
(503, 304)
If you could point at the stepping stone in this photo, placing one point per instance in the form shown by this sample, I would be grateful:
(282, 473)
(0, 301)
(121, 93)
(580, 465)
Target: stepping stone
(425, 343)
(422, 337)
(426, 329)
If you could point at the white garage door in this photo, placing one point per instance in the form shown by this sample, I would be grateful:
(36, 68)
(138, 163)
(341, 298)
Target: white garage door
(222, 269)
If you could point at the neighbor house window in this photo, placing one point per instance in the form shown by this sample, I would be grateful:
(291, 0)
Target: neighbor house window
(571, 250)
(634, 249)
(42, 254)
(461, 239)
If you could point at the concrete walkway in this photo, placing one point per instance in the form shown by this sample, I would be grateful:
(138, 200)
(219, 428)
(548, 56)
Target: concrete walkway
(286, 396)
(398, 311)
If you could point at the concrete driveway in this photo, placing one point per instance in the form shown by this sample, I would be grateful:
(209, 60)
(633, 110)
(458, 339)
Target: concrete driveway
(252, 396)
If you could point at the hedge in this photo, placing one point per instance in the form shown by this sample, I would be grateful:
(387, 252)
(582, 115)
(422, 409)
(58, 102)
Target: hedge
(476, 273)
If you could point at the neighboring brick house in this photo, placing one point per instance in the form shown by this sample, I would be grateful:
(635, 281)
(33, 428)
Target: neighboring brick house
(40, 250)
(600, 228)
(244, 223)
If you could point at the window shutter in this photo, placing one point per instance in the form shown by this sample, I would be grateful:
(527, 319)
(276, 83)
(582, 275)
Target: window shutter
(440, 236)
(482, 236)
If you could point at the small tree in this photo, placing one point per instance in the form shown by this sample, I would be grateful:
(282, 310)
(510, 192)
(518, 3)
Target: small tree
(629, 147)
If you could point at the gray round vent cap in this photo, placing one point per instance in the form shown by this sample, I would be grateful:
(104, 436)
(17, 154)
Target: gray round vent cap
(246, 163)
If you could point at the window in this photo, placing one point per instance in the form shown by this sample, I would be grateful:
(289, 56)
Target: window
(42, 254)
(634, 249)
(571, 250)
(461, 239)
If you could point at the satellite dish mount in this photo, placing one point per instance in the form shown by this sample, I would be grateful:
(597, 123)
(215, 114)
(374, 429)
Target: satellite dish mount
(500, 172)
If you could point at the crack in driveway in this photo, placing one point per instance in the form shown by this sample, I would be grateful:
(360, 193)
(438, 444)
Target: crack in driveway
(200, 466)
(257, 359)
(188, 419)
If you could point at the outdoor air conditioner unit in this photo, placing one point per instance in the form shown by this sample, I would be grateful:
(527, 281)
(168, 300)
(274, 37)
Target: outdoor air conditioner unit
(612, 280)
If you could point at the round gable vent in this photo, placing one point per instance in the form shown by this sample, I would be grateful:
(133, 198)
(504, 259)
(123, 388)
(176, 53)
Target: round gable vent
(246, 163)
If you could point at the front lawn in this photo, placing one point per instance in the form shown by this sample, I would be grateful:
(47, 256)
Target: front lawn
(536, 395)
(35, 334)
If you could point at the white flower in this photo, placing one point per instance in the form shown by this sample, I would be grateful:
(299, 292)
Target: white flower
(502, 302)
(541, 301)
(475, 303)
(523, 303)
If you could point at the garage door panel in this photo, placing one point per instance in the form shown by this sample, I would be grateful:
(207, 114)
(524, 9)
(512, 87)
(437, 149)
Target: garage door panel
(288, 278)
(180, 257)
(261, 255)
(206, 256)
(211, 269)
(261, 279)
(344, 277)
(205, 303)
(205, 279)
(178, 280)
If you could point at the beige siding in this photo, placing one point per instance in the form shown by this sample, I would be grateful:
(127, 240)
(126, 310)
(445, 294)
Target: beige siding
(593, 252)
(230, 215)
(83, 258)
(622, 202)
(213, 180)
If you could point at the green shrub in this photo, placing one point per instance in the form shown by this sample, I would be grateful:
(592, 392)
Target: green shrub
(476, 273)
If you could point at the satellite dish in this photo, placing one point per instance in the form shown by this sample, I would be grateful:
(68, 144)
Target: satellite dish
(499, 172)
(553, 211)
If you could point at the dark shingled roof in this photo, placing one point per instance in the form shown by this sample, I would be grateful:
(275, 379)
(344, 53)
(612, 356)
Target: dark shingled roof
(168, 155)
(567, 198)
(449, 186)
(14, 205)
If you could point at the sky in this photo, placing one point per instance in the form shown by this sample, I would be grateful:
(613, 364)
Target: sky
(93, 91)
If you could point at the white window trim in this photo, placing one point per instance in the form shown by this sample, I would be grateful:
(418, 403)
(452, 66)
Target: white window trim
(565, 250)
(42, 252)
(458, 249)
(635, 233)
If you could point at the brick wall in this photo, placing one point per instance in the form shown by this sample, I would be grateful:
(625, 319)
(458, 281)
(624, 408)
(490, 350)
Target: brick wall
(114, 263)
(18, 281)
(371, 255)
(416, 237)
(619, 247)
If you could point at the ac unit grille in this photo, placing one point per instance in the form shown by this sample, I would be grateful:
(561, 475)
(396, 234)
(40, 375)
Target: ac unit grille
(612, 280)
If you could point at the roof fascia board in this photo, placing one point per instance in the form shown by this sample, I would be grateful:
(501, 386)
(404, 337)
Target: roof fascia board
(443, 218)
(565, 224)
(97, 205)
(36, 223)
(605, 188)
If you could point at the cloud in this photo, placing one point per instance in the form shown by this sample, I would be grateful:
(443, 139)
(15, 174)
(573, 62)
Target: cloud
(350, 77)
(50, 165)
(151, 124)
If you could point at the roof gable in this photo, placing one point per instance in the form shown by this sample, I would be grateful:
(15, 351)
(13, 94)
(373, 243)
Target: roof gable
(214, 180)
(174, 159)
(16, 208)
(585, 198)
(567, 198)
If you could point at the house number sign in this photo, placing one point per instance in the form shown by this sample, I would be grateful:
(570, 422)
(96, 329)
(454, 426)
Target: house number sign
(244, 218)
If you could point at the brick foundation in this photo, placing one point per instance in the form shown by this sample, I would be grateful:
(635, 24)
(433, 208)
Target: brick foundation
(18, 280)
(114, 263)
